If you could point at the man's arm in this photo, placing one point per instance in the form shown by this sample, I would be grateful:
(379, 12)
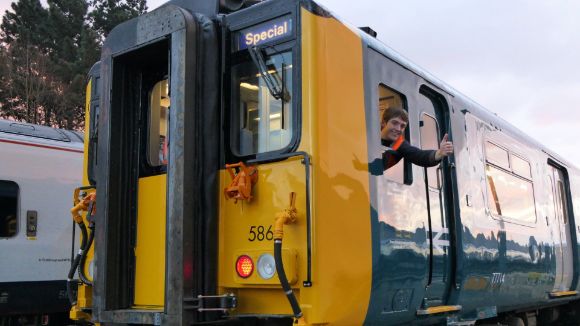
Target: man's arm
(425, 158)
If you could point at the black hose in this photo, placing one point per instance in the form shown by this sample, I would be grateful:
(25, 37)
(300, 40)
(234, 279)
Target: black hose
(284, 280)
(71, 274)
(83, 236)
(75, 264)
(83, 260)
(81, 267)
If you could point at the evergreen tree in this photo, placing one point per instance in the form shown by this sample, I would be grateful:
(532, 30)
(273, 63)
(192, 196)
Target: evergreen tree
(109, 13)
(70, 36)
(26, 23)
(25, 66)
(45, 54)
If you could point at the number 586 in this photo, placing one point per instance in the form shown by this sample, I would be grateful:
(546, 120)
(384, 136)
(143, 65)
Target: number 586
(259, 233)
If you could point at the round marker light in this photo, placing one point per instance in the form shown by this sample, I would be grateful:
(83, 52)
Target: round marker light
(244, 266)
(266, 266)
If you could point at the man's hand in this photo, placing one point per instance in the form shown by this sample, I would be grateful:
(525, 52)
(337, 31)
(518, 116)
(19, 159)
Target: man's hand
(445, 148)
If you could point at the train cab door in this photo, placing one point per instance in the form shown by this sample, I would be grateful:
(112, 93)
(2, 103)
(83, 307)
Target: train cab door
(432, 124)
(158, 134)
(560, 220)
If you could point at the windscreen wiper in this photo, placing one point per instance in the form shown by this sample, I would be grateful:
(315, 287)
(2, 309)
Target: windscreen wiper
(272, 79)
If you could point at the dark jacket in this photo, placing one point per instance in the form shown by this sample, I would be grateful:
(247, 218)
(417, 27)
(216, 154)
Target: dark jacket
(425, 158)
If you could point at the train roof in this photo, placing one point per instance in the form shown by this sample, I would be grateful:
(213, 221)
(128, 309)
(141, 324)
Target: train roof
(40, 134)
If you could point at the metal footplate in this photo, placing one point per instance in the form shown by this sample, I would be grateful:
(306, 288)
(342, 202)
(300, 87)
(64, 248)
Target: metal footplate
(438, 310)
(562, 294)
(222, 302)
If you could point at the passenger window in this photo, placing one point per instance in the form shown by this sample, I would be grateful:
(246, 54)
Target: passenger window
(497, 155)
(521, 167)
(510, 190)
(400, 172)
(8, 208)
(510, 196)
(158, 143)
(263, 123)
(430, 140)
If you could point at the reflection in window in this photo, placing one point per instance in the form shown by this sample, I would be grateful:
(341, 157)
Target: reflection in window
(263, 123)
(390, 99)
(521, 167)
(562, 200)
(551, 201)
(8, 208)
(157, 151)
(497, 155)
(429, 141)
(510, 196)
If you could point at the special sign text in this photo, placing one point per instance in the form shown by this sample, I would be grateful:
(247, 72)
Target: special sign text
(262, 33)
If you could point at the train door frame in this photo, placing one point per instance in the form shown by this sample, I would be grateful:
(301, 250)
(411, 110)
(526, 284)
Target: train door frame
(398, 208)
(191, 225)
(440, 238)
(561, 195)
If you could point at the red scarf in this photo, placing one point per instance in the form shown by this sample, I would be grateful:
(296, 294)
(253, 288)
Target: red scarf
(396, 145)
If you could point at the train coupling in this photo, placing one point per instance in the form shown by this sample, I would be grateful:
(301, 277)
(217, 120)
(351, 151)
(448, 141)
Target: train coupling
(223, 303)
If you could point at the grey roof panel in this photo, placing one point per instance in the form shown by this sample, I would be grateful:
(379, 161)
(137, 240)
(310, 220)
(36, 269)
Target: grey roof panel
(37, 131)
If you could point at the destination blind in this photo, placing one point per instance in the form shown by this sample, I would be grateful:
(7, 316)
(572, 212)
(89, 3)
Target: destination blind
(263, 33)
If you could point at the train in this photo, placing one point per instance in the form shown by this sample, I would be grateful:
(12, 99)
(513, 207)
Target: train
(39, 169)
(234, 150)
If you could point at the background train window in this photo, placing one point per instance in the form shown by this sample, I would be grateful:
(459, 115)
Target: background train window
(496, 155)
(158, 143)
(429, 141)
(510, 191)
(388, 98)
(8, 208)
(262, 122)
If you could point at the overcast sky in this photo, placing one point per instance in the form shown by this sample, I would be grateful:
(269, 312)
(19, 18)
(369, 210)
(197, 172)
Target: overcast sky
(518, 58)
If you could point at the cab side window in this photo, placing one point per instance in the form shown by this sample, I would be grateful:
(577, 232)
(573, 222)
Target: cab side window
(388, 98)
(430, 140)
(8, 208)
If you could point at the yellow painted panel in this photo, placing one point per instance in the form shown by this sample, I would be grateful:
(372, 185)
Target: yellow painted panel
(150, 247)
(271, 195)
(86, 136)
(333, 93)
(334, 133)
(84, 293)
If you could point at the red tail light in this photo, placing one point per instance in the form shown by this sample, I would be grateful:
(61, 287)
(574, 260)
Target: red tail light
(244, 266)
